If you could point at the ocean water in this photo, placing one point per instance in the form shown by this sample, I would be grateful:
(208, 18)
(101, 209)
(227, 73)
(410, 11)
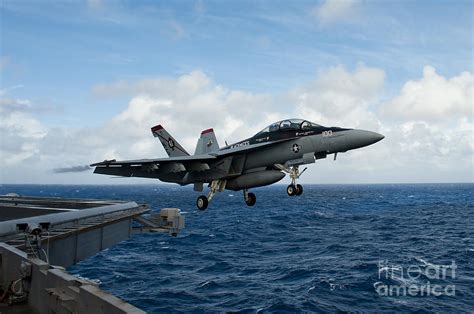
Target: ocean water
(335, 248)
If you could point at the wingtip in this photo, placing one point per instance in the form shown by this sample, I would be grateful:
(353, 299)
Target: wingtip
(105, 162)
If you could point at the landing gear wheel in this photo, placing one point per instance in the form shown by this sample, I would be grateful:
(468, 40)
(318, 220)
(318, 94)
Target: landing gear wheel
(299, 189)
(291, 190)
(251, 199)
(202, 202)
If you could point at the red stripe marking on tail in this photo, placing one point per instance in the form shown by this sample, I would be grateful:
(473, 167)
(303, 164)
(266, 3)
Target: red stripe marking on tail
(156, 128)
(207, 131)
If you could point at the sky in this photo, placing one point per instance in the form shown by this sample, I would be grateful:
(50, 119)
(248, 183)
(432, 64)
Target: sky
(83, 81)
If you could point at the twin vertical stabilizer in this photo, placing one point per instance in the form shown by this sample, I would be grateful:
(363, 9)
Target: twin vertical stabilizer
(170, 145)
(207, 143)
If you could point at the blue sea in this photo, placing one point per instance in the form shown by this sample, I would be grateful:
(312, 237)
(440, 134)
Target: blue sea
(370, 248)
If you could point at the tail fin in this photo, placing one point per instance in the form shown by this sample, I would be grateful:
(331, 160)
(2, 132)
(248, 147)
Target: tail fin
(171, 146)
(207, 142)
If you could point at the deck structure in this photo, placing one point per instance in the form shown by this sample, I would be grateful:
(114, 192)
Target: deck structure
(41, 236)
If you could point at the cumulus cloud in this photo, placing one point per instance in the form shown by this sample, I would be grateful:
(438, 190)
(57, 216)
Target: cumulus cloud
(414, 149)
(9, 105)
(433, 98)
(20, 132)
(187, 105)
(341, 97)
(429, 129)
(334, 10)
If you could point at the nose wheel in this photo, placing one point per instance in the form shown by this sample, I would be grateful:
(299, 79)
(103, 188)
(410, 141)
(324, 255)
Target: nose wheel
(294, 190)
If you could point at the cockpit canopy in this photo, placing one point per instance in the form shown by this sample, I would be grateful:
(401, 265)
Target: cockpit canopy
(290, 124)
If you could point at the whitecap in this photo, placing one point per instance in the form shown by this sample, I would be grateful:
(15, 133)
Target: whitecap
(400, 302)
(96, 281)
(321, 214)
(205, 284)
(428, 264)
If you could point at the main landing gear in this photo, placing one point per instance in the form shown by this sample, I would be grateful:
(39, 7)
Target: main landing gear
(250, 198)
(215, 186)
(218, 186)
(202, 202)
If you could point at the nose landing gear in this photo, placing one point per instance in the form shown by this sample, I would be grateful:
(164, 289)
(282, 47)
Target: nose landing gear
(293, 189)
(294, 172)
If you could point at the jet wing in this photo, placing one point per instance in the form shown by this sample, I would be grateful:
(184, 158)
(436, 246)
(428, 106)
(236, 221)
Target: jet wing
(149, 167)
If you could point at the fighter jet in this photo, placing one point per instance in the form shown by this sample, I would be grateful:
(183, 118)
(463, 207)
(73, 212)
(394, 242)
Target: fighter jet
(263, 159)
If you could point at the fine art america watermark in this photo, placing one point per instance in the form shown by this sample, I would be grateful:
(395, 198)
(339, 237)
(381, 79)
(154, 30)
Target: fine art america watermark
(415, 280)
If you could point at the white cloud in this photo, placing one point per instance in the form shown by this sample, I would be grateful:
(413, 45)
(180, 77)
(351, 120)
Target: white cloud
(8, 105)
(341, 97)
(433, 98)
(167, 87)
(189, 104)
(20, 132)
(334, 10)
(429, 128)
(4, 91)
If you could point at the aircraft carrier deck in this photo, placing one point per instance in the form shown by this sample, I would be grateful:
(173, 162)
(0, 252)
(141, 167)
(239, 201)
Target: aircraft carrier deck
(40, 237)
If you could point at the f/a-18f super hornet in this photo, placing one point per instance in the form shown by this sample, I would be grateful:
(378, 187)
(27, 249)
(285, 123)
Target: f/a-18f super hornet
(262, 159)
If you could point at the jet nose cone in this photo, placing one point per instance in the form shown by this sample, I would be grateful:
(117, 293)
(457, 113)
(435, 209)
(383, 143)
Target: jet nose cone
(375, 137)
(360, 138)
